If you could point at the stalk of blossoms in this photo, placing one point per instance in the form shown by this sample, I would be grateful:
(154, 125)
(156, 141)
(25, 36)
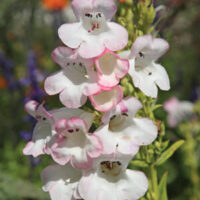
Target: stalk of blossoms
(92, 161)
(139, 21)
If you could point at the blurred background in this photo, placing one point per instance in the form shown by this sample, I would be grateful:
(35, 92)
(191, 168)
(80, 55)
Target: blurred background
(28, 34)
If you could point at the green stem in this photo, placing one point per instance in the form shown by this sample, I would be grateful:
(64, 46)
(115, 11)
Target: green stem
(154, 183)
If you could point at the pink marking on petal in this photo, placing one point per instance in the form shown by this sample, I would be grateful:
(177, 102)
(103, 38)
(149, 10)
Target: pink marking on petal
(123, 107)
(61, 125)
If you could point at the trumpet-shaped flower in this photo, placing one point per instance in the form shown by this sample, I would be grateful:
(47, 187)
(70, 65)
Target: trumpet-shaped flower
(106, 100)
(61, 182)
(110, 180)
(94, 32)
(145, 73)
(111, 68)
(122, 132)
(74, 144)
(177, 111)
(44, 129)
(75, 81)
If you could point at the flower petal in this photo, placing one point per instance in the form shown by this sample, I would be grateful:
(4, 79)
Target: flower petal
(116, 142)
(73, 151)
(161, 77)
(152, 48)
(76, 144)
(144, 83)
(72, 34)
(81, 6)
(69, 113)
(73, 123)
(72, 97)
(92, 187)
(41, 133)
(60, 182)
(60, 55)
(132, 104)
(134, 186)
(31, 107)
(106, 100)
(127, 147)
(116, 38)
(55, 83)
(128, 105)
(110, 68)
(91, 47)
(108, 140)
(107, 7)
(142, 131)
(113, 37)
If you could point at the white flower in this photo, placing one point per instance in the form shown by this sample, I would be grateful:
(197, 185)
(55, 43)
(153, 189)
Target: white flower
(44, 129)
(145, 73)
(75, 81)
(94, 32)
(110, 180)
(61, 182)
(124, 133)
(74, 144)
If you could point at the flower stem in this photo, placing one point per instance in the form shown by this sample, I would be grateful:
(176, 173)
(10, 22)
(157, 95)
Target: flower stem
(154, 183)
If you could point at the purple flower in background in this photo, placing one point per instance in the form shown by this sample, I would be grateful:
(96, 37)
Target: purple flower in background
(35, 161)
(8, 72)
(34, 78)
(26, 135)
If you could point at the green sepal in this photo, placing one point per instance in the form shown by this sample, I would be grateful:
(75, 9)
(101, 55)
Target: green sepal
(163, 187)
(169, 152)
(164, 145)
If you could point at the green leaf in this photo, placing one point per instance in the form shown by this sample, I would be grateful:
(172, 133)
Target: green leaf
(163, 187)
(139, 163)
(155, 107)
(169, 152)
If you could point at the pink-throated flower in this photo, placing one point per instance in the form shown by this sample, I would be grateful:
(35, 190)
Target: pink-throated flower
(110, 180)
(122, 132)
(44, 129)
(94, 32)
(74, 144)
(75, 81)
